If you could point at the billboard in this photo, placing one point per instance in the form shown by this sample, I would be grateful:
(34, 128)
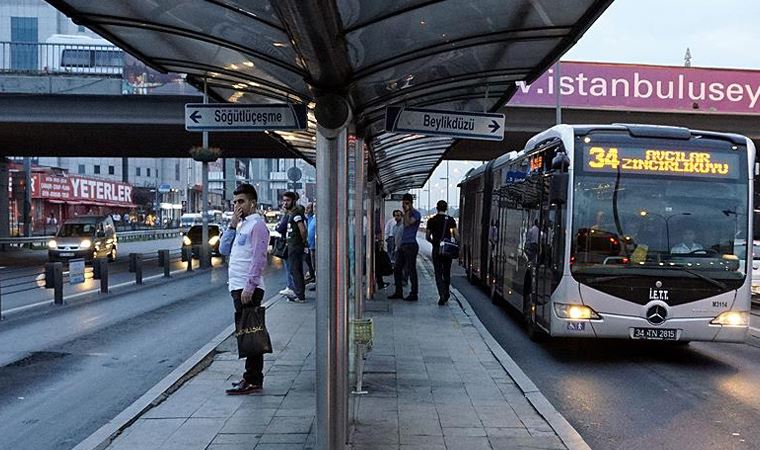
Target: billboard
(73, 189)
(648, 88)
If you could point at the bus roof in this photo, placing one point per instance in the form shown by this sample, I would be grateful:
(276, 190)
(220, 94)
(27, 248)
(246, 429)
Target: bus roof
(77, 39)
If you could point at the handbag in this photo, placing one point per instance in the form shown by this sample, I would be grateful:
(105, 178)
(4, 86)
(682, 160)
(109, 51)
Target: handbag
(280, 248)
(251, 332)
(448, 246)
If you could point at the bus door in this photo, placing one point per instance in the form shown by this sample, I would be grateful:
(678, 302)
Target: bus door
(542, 283)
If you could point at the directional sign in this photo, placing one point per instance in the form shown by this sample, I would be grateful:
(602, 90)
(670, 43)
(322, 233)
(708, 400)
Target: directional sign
(459, 124)
(229, 117)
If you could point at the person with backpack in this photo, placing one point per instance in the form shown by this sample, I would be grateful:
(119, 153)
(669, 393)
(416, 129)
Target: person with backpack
(440, 227)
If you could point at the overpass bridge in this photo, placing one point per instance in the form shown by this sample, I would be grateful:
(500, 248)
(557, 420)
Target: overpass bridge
(53, 114)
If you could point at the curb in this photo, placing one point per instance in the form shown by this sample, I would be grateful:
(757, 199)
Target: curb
(103, 437)
(566, 433)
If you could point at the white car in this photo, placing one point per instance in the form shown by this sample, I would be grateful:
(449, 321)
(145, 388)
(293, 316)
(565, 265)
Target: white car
(756, 268)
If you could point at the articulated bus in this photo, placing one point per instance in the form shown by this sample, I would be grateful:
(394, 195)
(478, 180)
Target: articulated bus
(616, 231)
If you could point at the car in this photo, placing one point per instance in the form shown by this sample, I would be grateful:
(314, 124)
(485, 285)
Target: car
(756, 268)
(272, 218)
(192, 238)
(86, 237)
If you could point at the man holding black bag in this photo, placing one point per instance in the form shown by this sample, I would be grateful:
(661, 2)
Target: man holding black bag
(442, 227)
(246, 241)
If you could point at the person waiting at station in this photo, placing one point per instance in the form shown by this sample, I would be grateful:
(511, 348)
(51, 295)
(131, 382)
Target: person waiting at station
(296, 237)
(390, 233)
(311, 238)
(687, 245)
(406, 256)
(440, 227)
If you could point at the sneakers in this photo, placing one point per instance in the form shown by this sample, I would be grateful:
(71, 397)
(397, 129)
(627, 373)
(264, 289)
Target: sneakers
(295, 299)
(442, 301)
(243, 388)
(287, 292)
(411, 298)
(396, 295)
(311, 286)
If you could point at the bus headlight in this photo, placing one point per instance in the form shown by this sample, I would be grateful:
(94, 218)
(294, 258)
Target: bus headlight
(214, 239)
(186, 240)
(732, 319)
(86, 243)
(575, 312)
(52, 244)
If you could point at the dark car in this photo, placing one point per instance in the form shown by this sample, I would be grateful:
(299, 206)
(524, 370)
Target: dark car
(192, 239)
(85, 237)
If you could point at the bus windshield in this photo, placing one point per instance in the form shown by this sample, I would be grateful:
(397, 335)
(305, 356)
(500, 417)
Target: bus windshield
(660, 216)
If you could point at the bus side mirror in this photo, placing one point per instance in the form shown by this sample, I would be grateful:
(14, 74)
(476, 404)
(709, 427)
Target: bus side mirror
(558, 189)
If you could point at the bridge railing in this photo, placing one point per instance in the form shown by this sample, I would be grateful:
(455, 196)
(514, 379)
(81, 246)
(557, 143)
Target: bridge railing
(45, 59)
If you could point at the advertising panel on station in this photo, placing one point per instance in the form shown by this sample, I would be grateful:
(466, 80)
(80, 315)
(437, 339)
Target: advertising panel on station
(76, 271)
(437, 122)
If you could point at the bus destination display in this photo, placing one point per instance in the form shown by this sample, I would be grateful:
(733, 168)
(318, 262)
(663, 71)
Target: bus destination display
(608, 159)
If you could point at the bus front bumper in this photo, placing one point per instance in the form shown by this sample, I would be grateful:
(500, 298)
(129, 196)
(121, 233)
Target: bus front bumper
(622, 327)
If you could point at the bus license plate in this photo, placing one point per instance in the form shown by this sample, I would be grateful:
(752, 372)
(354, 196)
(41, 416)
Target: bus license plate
(659, 334)
(67, 254)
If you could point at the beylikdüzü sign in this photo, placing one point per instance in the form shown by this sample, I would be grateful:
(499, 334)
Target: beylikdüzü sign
(653, 88)
(75, 189)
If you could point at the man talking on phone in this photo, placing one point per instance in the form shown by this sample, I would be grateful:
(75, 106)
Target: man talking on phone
(246, 242)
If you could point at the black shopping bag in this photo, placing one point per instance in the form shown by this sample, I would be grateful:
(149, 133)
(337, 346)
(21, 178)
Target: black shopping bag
(251, 332)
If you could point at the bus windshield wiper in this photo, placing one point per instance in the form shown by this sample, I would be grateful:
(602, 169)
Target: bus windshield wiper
(704, 277)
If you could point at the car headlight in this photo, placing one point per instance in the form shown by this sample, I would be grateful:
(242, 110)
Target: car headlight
(86, 243)
(52, 244)
(575, 312)
(732, 319)
(186, 240)
(214, 239)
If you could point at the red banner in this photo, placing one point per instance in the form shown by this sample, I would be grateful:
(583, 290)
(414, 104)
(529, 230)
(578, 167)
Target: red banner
(75, 189)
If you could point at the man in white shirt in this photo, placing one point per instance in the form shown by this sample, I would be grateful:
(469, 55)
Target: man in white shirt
(246, 241)
(688, 245)
(390, 234)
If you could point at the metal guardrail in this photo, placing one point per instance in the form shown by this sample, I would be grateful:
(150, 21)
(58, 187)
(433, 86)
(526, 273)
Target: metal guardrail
(122, 236)
(60, 59)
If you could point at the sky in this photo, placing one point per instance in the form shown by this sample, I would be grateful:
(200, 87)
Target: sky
(718, 33)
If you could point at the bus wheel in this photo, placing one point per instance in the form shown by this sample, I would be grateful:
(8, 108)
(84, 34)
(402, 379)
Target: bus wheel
(534, 332)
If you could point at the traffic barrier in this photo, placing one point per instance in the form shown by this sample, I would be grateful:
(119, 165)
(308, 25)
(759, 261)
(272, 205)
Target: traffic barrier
(136, 259)
(187, 255)
(121, 236)
(100, 272)
(165, 262)
(54, 280)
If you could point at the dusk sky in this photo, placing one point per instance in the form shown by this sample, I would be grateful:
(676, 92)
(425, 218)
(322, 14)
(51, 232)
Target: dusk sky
(718, 34)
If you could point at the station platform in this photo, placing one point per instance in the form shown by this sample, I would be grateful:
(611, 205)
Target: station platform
(433, 379)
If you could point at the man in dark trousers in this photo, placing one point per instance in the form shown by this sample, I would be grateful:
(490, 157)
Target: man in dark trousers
(406, 256)
(246, 241)
(439, 227)
(296, 237)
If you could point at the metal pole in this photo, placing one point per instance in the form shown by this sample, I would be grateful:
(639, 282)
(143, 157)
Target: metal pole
(370, 239)
(359, 217)
(27, 196)
(331, 376)
(557, 94)
(447, 181)
(204, 254)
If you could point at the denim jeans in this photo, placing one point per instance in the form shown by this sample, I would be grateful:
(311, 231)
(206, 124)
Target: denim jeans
(295, 268)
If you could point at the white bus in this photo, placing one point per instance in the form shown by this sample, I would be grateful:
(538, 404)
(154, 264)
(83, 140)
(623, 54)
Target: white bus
(617, 231)
(81, 55)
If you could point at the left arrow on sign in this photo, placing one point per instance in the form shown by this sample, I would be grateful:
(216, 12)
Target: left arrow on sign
(195, 116)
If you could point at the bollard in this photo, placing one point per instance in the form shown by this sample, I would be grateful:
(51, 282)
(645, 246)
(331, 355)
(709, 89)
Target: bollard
(54, 280)
(100, 272)
(187, 254)
(138, 267)
(133, 262)
(163, 261)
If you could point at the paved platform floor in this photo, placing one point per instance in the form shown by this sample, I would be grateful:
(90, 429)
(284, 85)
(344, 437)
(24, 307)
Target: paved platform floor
(432, 383)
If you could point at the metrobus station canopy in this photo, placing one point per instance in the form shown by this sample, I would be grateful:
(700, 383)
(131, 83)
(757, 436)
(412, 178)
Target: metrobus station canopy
(443, 54)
